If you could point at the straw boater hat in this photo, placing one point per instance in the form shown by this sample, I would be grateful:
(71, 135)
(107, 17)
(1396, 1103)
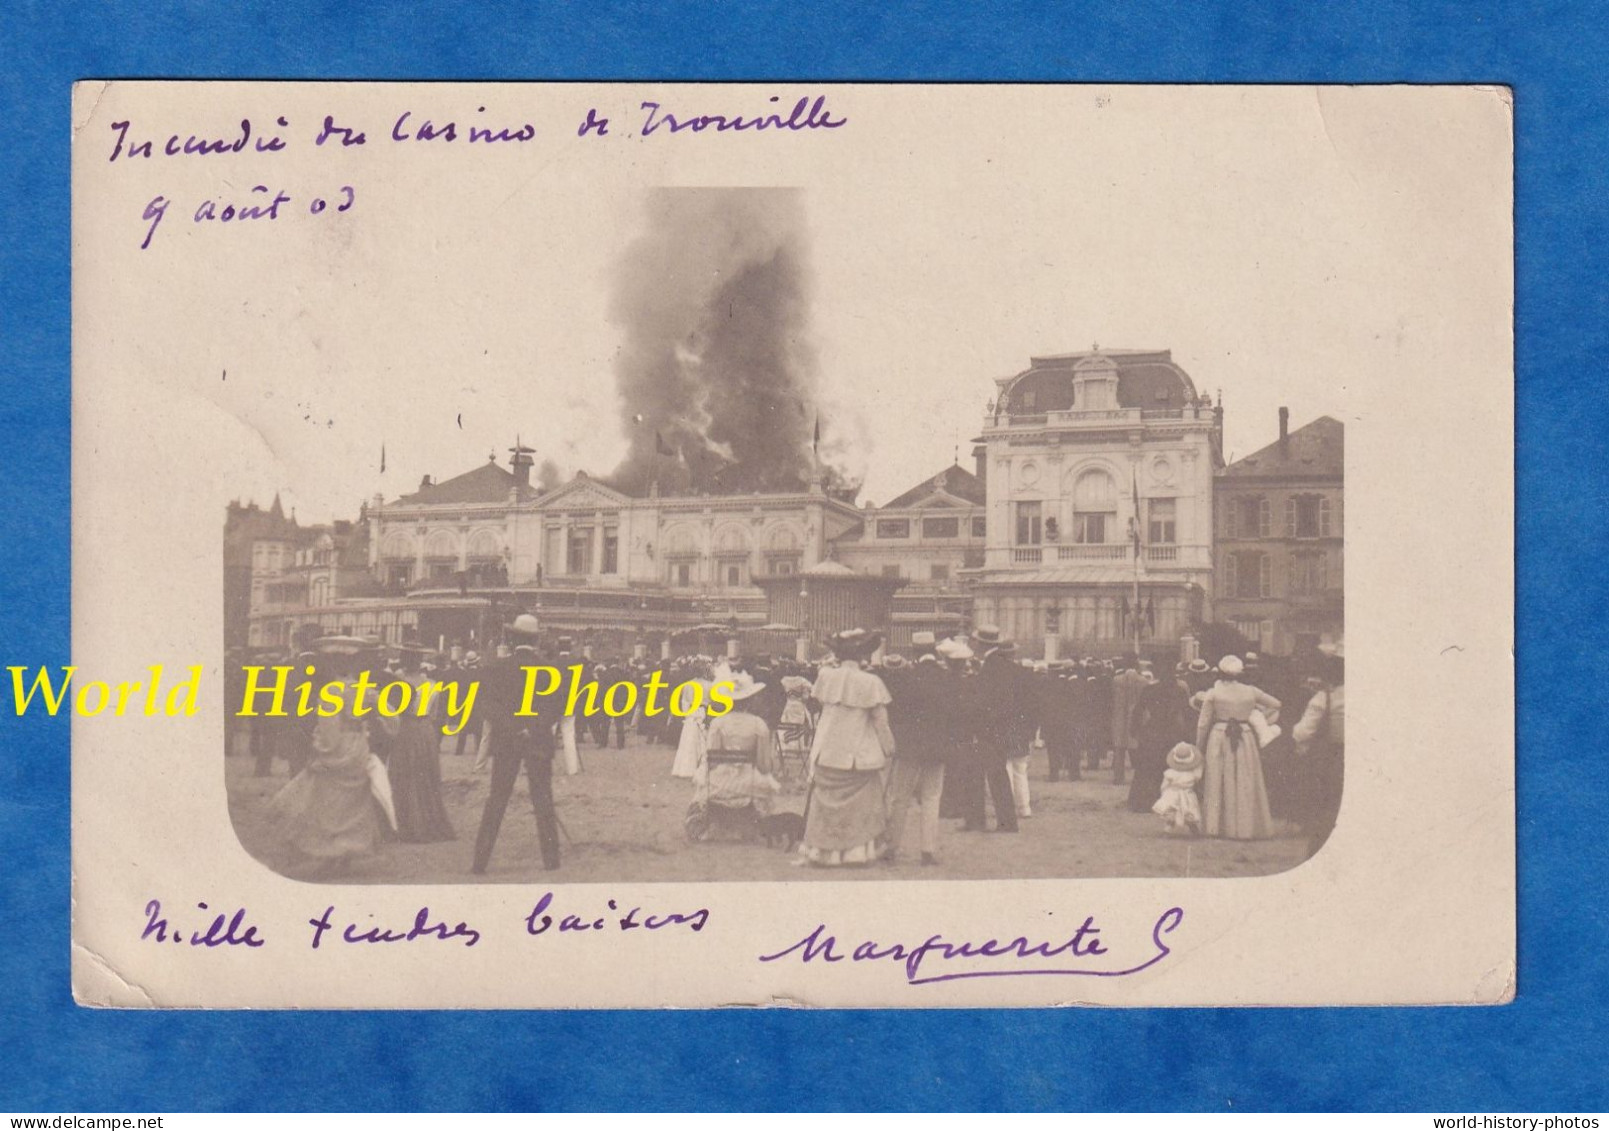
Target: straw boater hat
(987, 636)
(1231, 667)
(854, 643)
(1184, 757)
(1200, 666)
(525, 625)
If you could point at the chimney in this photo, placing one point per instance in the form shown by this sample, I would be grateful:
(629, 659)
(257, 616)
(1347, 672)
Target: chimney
(980, 456)
(1284, 432)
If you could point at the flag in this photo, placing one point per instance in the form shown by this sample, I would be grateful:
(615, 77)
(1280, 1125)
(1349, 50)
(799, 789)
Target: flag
(660, 447)
(815, 445)
(382, 457)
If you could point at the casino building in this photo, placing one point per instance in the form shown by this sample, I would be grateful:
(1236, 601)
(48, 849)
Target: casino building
(455, 560)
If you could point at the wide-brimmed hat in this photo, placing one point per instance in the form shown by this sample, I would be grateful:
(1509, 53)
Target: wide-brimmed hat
(1231, 666)
(471, 657)
(744, 685)
(1184, 757)
(1200, 666)
(987, 635)
(526, 625)
(854, 643)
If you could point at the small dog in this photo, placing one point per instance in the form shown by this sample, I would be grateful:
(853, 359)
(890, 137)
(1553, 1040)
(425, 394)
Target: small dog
(783, 830)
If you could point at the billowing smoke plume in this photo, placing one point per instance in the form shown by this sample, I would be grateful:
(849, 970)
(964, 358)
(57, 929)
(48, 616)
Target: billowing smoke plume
(717, 377)
(549, 475)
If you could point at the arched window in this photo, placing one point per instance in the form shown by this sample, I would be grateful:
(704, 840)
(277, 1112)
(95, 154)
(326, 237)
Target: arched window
(485, 545)
(398, 544)
(730, 540)
(441, 544)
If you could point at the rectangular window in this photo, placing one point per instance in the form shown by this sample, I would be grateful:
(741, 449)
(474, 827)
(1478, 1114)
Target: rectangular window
(1307, 516)
(782, 567)
(400, 573)
(681, 574)
(980, 527)
(937, 572)
(1249, 516)
(579, 558)
(1248, 575)
(1308, 574)
(1162, 525)
(893, 528)
(611, 551)
(732, 573)
(941, 528)
(1091, 529)
(1030, 527)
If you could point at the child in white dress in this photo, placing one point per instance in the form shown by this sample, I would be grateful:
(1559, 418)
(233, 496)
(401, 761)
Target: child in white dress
(1178, 806)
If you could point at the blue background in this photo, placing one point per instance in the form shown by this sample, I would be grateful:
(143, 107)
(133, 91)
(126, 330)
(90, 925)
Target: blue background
(1545, 1052)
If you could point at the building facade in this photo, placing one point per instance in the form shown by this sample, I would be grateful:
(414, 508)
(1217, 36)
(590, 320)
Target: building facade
(1279, 547)
(454, 561)
(1098, 469)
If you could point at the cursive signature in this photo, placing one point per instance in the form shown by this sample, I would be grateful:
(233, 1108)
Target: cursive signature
(1083, 943)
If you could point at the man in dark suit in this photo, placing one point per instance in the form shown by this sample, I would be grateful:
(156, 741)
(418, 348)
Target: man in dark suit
(1000, 708)
(519, 741)
(925, 716)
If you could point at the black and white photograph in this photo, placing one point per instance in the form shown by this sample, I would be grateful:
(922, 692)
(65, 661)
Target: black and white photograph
(1082, 627)
(802, 517)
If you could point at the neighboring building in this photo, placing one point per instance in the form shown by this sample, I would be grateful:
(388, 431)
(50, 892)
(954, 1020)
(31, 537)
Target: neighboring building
(1279, 573)
(1069, 445)
(930, 537)
(257, 544)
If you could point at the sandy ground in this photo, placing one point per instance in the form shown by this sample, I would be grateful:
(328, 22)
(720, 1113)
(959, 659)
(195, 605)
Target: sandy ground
(622, 820)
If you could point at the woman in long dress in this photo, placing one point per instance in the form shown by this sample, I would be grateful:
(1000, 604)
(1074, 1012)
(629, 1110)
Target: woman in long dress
(844, 818)
(413, 764)
(690, 747)
(1235, 797)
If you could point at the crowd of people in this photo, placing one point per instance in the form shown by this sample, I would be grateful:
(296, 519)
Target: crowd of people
(870, 739)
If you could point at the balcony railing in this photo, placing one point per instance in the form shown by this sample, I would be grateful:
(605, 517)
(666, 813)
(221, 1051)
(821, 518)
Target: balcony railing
(1092, 553)
(1026, 555)
(1162, 553)
(1095, 418)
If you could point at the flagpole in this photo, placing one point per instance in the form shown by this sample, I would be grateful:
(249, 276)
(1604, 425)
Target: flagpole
(1134, 480)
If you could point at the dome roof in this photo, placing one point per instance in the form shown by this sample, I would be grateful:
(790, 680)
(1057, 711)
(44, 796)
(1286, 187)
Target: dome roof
(1145, 379)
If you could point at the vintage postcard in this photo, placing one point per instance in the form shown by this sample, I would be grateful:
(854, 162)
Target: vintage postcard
(671, 545)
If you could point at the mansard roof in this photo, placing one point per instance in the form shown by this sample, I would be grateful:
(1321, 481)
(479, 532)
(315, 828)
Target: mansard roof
(488, 483)
(1145, 379)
